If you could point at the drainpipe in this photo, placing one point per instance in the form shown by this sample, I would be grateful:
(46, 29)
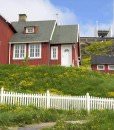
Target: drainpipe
(9, 52)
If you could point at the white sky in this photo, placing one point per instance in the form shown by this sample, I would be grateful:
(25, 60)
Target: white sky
(36, 10)
(42, 10)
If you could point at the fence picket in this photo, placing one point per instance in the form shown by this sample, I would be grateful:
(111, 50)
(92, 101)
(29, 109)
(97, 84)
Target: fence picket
(48, 100)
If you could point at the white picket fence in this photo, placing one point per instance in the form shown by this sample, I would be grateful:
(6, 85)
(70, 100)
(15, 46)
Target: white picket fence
(48, 100)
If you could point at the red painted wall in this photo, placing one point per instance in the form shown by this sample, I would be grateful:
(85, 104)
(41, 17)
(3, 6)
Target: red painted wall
(56, 62)
(75, 53)
(94, 67)
(5, 35)
(44, 56)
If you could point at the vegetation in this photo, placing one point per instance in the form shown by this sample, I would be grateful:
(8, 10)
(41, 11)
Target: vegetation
(20, 116)
(99, 48)
(97, 120)
(15, 115)
(96, 48)
(61, 80)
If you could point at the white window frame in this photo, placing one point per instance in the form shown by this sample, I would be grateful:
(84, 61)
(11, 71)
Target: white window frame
(102, 66)
(109, 67)
(52, 52)
(14, 48)
(35, 57)
(31, 28)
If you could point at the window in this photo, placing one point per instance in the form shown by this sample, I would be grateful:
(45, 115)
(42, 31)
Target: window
(110, 67)
(100, 67)
(54, 53)
(35, 50)
(66, 50)
(19, 51)
(29, 29)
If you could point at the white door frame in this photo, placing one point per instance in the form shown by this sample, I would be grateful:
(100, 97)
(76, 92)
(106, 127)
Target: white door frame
(66, 60)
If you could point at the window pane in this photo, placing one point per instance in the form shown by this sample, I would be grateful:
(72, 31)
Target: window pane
(31, 51)
(100, 67)
(19, 51)
(111, 67)
(16, 51)
(22, 51)
(35, 51)
(30, 30)
(54, 52)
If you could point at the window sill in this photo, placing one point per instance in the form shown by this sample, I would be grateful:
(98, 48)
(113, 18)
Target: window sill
(54, 59)
(18, 58)
(30, 58)
(100, 69)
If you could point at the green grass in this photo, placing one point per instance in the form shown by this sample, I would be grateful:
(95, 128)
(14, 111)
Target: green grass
(20, 116)
(97, 120)
(61, 80)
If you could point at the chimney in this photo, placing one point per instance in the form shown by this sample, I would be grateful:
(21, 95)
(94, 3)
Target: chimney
(22, 17)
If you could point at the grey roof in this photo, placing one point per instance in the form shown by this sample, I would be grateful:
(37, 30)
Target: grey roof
(43, 35)
(100, 60)
(65, 34)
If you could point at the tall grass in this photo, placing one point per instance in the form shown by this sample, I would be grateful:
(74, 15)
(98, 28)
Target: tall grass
(62, 80)
(15, 115)
(97, 120)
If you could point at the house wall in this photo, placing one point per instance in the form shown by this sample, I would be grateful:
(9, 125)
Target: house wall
(44, 56)
(5, 35)
(94, 67)
(56, 62)
(75, 54)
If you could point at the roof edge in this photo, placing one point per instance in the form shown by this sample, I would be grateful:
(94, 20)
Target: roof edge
(27, 42)
(9, 24)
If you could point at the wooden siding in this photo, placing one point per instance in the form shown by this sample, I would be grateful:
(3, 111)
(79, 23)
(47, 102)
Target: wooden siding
(42, 61)
(5, 35)
(46, 56)
(56, 62)
(106, 70)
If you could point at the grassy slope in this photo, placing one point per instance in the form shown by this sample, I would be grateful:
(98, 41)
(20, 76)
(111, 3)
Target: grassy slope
(20, 116)
(97, 120)
(72, 81)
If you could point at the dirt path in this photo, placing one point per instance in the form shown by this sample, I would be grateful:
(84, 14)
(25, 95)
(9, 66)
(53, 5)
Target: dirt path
(35, 126)
(45, 125)
(38, 126)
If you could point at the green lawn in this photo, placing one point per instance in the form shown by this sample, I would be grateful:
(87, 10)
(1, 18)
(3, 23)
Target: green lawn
(21, 116)
(97, 120)
(61, 80)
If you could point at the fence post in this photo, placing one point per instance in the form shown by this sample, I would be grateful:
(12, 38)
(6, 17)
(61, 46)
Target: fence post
(48, 99)
(88, 102)
(1, 95)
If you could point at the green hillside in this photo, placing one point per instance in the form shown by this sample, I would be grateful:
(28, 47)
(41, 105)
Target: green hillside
(62, 80)
(96, 48)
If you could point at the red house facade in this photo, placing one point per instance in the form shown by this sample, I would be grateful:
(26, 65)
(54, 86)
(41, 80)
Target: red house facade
(6, 32)
(103, 63)
(43, 43)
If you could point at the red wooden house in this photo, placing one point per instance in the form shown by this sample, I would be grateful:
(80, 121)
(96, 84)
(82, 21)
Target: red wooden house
(6, 32)
(103, 63)
(44, 43)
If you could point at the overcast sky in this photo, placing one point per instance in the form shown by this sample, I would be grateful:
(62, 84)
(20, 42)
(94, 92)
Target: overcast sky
(82, 12)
